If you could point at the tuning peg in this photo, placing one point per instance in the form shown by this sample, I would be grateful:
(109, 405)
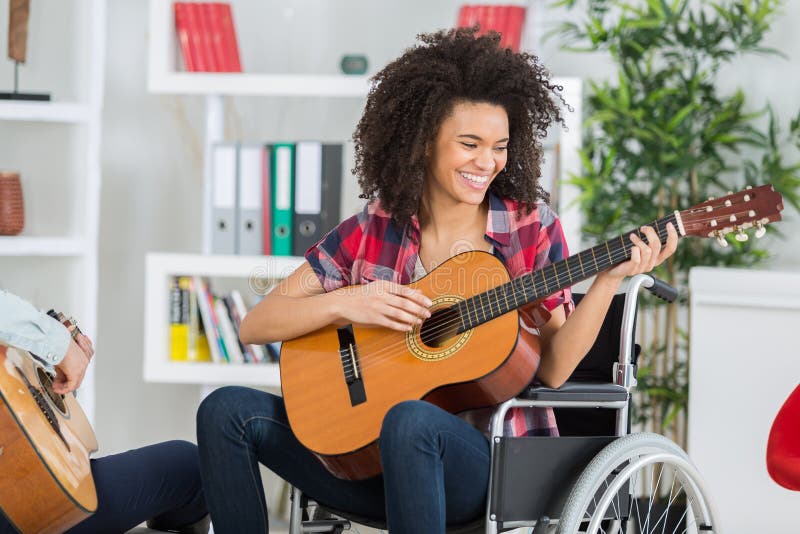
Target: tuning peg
(729, 193)
(741, 236)
(721, 240)
(760, 231)
(749, 187)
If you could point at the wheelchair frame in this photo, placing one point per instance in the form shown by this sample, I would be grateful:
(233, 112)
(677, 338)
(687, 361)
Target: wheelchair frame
(614, 395)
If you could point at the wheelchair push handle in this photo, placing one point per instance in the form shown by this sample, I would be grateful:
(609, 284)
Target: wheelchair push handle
(660, 288)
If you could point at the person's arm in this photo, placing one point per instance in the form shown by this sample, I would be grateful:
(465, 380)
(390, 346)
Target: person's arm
(25, 327)
(299, 305)
(566, 340)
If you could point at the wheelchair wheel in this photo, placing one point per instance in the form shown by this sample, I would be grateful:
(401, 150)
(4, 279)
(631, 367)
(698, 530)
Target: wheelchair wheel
(640, 483)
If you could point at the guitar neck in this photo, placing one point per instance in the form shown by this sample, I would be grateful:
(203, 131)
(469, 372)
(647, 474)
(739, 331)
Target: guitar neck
(541, 283)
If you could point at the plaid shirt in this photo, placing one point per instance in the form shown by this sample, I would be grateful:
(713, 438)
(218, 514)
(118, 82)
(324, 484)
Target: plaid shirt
(369, 246)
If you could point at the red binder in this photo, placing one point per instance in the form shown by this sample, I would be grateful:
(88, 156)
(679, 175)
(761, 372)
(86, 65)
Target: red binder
(180, 10)
(207, 36)
(504, 19)
(228, 44)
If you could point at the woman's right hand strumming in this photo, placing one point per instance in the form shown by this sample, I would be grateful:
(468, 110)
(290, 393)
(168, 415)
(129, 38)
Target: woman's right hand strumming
(299, 304)
(383, 303)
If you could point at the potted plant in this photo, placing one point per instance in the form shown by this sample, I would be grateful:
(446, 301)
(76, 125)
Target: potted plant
(660, 136)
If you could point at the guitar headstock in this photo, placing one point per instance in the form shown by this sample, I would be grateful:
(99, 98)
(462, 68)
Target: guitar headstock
(752, 208)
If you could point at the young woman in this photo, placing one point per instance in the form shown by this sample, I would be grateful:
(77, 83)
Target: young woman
(448, 153)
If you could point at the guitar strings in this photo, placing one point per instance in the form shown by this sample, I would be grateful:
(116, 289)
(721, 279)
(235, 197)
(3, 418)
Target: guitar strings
(378, 357)
(388, 351)
(375, 357)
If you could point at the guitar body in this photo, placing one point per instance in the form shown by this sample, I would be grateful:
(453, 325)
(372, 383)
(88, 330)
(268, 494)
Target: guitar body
(480, 367)
(46, 484)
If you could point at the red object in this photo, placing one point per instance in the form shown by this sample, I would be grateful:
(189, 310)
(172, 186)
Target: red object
(227, 32)
(783, 446)
(506, 20)
(208, 46)
(465, 17)
(266, 202)
(183, 23)
(512, 38)
(207, 36)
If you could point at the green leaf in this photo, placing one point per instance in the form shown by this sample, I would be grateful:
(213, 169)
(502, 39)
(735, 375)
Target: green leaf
(678, 118)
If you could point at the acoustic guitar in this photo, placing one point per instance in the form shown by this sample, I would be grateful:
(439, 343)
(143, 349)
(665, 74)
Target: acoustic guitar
(46, 483)
(340, 381)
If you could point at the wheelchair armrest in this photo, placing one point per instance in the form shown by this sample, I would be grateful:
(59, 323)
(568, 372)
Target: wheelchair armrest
(577, 391)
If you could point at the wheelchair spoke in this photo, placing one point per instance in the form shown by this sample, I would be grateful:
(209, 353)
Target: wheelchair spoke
(658, 479)
(670, 500)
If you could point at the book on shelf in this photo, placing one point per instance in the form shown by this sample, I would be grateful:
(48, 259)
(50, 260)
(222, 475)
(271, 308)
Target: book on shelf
(187, 342)
(239, 311)
(274, 199)
(229, 336)
(207, 36)
(210, 327)
(507, 20)
(178, 323)
(204, 326)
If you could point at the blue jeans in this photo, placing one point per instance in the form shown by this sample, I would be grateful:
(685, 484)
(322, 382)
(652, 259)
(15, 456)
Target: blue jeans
(161, 481)
(435, 466)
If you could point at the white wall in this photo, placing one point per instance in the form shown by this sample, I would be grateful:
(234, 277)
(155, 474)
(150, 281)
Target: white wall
(744, 365)
(152, 168)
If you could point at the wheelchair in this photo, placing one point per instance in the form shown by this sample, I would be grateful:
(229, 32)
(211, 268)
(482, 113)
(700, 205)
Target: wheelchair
(596, 477)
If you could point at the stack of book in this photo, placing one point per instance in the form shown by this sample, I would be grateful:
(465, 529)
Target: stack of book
(274, 199)
(505, 20)
(204, 327)
(207, 36)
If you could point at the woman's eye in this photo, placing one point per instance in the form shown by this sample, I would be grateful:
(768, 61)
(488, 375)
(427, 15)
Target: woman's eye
(470, 145)
(501, 148)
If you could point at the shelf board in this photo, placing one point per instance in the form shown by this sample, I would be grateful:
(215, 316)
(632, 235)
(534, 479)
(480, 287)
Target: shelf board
(159, 270)
(41, 246)
(14, 110)
(219, 83)
(249, 374)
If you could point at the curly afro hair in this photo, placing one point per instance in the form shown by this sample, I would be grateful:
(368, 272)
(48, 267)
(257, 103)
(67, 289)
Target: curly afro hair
(412, 96)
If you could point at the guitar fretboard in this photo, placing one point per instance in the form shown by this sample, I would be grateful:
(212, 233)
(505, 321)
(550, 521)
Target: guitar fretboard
(541, 283)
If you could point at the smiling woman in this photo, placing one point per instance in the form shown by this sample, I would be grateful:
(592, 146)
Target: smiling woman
(448, 155)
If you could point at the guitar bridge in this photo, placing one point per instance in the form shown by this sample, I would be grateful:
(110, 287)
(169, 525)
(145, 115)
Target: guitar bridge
(43, 405)
(351, 366)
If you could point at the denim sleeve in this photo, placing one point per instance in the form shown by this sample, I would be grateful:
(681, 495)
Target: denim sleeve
(25, 327)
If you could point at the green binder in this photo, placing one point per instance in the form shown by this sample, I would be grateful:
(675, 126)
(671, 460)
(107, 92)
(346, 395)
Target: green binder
(282, 198)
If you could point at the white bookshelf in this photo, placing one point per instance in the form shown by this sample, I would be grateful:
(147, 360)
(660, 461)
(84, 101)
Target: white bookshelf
(11, 110)
(160, 268)
(43, 246)
(55, 146)
(164, 77)
(243, 84)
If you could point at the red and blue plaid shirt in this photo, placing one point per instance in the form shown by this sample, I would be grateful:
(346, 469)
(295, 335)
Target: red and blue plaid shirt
(369, 246)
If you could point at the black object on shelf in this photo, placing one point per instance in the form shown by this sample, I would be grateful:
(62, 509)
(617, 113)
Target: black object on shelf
(16, 95)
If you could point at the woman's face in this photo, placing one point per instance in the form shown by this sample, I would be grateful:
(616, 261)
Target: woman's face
(469, 152)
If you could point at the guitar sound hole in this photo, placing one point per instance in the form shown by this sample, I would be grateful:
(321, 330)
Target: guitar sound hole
(47, 386)
(440, 327)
